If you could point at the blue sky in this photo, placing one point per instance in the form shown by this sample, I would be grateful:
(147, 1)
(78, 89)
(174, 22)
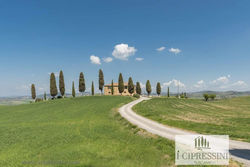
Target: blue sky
(205, 45)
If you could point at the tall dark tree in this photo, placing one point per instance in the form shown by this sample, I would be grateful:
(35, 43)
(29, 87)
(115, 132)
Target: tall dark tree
(82, 87)
(92, 89)
(101, 80)
(53, 87)
(131, 87)
(148, 87)
(73, 90)
(120, 84)
(61, 84)
(112, 87)
(33, 91)
(44, 96)
(168, 92)
(138, 88)
(158, 88)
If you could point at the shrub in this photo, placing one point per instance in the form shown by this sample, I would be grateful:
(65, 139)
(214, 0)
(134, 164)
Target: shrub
(206, 96)
(59, 97)
(38, 100)
(185, 95)
(136, 95)
(212, 96)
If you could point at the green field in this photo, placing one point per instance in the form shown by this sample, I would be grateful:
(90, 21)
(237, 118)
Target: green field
(80, 132)
(229, 116)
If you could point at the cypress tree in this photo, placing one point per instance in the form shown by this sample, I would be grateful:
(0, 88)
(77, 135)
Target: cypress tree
(101, 80)
(158, 88)
(33, 91)
(82, 87)
(148, 87)
(120, 84)
(92, 89)
(73, 90)
(44, 96)
(112, 88)
(131, 86)
(53, 88)
(138, 88)
(168, 92)
(61, 84)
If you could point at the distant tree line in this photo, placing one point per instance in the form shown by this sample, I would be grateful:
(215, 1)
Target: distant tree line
(132, 89)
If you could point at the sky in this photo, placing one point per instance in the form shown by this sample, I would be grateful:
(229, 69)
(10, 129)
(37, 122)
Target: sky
(198, 45)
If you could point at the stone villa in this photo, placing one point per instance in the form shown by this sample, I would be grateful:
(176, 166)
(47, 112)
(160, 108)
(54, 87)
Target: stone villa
(107, 89)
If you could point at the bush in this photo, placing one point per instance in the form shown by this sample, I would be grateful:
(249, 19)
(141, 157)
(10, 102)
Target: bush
(206, 96)
(136, 95)
(212, 96)
(38, 100)
(59, 97)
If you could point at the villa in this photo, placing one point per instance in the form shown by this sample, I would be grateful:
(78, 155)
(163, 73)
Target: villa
(108, 88)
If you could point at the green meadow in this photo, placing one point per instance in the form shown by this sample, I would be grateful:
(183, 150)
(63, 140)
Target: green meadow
(80, 132)
(228, 116)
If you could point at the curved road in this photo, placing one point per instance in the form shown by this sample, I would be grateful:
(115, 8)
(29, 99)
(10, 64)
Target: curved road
(239, 151)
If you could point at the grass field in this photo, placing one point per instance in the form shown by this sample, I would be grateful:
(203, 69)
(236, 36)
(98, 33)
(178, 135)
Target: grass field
(228, 116)
(81, 132)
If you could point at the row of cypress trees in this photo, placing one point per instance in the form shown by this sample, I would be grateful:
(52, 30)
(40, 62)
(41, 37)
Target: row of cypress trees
(82, 86)
(131, 88)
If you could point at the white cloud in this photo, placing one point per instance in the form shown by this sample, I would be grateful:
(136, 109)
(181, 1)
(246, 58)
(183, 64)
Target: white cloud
(221, 80)
(123, 51)
(139, 59)
(234, 86)
(95, 59)
(239, 83)
(161, 48)
(199, 84)
(175, 83)
(108, 59)
(174, 50)
(224, 83)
